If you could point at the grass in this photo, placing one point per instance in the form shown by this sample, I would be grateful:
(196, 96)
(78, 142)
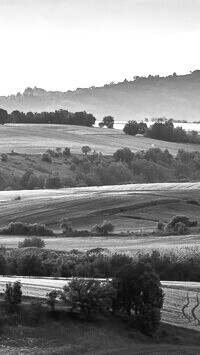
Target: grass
(101, 337)
(31, 139)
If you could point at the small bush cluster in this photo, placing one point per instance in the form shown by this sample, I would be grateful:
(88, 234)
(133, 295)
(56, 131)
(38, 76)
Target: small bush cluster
(19, 228)
(32, 242)
(179, 225)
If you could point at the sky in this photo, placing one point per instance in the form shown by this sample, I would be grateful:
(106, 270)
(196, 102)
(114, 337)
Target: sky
(66, 44)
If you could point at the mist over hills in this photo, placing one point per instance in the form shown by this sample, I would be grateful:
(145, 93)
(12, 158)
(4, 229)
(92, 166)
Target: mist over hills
(173, 96)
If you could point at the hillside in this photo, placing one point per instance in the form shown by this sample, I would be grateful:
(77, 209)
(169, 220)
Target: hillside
(172, 96)
(27, 138)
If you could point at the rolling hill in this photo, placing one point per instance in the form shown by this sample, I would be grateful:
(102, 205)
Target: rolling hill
(30, 138)
(173, 96)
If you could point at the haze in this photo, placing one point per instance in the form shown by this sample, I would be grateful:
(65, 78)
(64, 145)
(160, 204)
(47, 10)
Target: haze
(65, 44)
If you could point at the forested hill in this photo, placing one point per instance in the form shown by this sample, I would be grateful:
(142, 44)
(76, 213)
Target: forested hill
(173, 96)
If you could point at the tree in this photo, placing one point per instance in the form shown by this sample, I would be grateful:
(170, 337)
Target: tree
(13, 296)
(89, 296)
(86, 149)
(131, 128)
(30, 265)
(123, 154)
(108, 121)
(3, 116)
(51, 299)
(139, 292)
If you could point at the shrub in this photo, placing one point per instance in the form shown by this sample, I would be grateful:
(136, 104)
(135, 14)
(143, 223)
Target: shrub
(51, 299)
(89, 296)
(19, 228)
(4, 157)
(47, 158)
(66, 152)
(13, 296)
(183, 219)
(33, 242)
(53, 182)
(104, 229)
(36, 312)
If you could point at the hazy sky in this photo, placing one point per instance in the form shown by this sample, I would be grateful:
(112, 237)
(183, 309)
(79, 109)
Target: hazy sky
(65, 44)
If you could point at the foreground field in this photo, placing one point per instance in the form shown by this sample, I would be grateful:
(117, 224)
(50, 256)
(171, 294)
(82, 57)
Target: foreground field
(129, 207)
(25, 138)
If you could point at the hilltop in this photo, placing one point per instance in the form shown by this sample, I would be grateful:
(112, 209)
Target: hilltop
(175, 96)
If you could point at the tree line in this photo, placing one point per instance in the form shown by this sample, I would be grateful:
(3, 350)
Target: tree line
(57, 117)
(160, 130)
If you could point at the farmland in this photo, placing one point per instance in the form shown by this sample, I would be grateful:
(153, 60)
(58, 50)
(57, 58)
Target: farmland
(24, 138)
(129, 207)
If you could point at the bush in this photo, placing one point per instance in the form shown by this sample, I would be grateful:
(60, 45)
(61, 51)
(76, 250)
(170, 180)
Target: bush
(89, 297)
(19, 228)
(4, 157)
(13, 296)
(36, 312)
(124, 155)
(104, 229)
(66, 152)
(47, 158)
(51, 299)
(33, 242)
(53, 182)
(183, 219)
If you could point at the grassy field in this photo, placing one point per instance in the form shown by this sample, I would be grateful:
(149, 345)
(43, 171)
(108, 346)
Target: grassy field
(37, 138)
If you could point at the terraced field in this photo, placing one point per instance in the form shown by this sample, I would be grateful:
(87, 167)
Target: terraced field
(25, 138)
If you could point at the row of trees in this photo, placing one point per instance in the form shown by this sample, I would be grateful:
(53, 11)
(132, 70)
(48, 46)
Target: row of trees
(162, 131)
(57, 117)
(135, 292)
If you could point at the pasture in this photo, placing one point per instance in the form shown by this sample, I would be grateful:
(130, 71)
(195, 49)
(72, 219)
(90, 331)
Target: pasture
(24, 138)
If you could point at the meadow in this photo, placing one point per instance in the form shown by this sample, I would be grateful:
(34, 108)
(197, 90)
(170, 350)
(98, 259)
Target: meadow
(27, 138)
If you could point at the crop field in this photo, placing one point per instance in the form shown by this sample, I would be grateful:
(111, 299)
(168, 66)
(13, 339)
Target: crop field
(129, 207)
(25, 138)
